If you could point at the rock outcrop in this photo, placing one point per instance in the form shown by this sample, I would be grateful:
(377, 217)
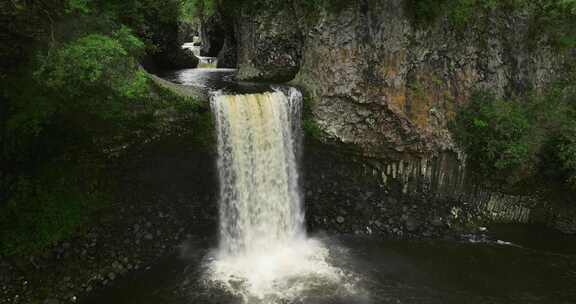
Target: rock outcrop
(270, 44)
(383, 83)
(212, 34)
(385, 88)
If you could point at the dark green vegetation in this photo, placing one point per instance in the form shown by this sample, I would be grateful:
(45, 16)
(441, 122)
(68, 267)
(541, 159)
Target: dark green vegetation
(231, 7)
(193, 8)
(73, 97)
(309, 126)
(557, 18)
(509, 141)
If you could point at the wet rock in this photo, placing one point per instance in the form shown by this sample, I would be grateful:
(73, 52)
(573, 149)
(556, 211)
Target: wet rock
(437, 221)
(412, 224)
(346, 71)
(117, 266)
(184, 58)
(275, 51)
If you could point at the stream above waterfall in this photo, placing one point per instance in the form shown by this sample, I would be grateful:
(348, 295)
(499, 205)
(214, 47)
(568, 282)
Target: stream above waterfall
(215, 79)
(505, 264)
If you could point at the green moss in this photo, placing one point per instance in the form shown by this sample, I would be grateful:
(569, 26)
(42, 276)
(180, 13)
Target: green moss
(309, 125)
(312, 129)
(203, 130)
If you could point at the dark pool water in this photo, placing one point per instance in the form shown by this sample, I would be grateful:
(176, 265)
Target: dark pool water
(528, 270)
(511, 264)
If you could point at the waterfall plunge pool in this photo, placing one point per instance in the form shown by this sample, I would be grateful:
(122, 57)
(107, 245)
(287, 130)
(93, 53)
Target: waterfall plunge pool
(263, 258)
(387, 271)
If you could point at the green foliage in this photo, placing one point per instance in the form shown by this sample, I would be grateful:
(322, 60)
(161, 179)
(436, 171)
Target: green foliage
(91, 63)
(30, 109)
(131, 44)
(333, 6)
(49, 206)
(311, 7)
(309, 126)
(496, 134)
(567, 155)
(425, 11)
(557, 18)
(559, 151)
(68, 105)
(512, 140)
(78, 6)
(193, 9)
(95, 74)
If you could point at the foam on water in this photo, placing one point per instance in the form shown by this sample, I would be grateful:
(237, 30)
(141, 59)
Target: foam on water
(295, 270)
(264, 255)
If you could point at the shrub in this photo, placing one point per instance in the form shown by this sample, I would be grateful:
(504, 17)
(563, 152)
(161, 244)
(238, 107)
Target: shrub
(496, 134)
(533, 137)
(564, 150)
(94, 63)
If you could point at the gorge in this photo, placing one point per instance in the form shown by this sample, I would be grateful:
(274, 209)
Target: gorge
(301, 151)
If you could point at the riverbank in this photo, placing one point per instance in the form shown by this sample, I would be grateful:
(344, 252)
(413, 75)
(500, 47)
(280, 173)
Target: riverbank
(166, 196)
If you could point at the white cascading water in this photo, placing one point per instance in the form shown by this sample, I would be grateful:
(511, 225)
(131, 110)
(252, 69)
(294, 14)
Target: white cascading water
(260, 204)
(264, 255)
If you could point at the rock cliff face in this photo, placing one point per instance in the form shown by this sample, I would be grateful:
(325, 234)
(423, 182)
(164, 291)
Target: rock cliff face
(270, 44)
(385, 88)
(381, 82)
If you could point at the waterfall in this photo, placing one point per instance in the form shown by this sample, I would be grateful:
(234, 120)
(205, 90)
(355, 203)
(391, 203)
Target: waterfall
(264, 255)
(259, 201)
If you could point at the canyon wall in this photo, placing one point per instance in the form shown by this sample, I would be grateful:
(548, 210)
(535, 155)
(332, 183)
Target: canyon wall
(384, 83)
(384, 87)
